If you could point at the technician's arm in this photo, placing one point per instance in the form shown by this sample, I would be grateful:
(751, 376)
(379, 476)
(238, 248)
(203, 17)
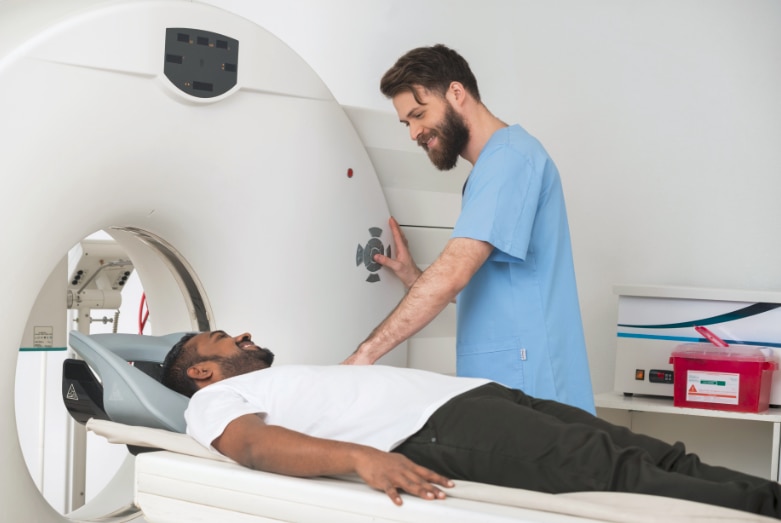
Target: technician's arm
(252, 443)
(431, 292)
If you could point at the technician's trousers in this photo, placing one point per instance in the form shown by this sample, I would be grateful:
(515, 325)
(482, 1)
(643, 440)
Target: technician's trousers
(501, 436)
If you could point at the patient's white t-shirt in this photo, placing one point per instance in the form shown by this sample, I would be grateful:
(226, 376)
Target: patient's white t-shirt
(373, 405)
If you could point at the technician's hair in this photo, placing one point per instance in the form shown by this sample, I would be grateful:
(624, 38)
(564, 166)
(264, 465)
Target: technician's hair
(180, 358)
(433, 68)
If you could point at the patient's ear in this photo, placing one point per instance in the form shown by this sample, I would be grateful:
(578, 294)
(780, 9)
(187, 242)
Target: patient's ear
(202, 373)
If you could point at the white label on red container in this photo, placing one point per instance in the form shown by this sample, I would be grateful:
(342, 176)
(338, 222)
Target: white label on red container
(712, 387)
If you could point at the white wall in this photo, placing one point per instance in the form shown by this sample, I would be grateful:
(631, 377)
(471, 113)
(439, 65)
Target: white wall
(664, 118)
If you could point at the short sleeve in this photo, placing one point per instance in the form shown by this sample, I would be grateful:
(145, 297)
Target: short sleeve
(500, 201)
(211, 410)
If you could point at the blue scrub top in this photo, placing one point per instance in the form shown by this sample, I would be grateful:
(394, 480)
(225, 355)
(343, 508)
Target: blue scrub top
(518, 318)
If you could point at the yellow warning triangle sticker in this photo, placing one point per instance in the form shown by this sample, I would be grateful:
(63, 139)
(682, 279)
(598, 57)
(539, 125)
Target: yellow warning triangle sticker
(692, 389)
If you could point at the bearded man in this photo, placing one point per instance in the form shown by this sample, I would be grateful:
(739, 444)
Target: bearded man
(508, 264)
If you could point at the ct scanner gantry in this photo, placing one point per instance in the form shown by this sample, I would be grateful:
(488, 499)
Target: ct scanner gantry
(211, 153)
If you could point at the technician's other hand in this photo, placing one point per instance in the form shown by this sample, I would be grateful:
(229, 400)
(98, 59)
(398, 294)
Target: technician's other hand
(391, 472)
(357, 359)
(403, 266)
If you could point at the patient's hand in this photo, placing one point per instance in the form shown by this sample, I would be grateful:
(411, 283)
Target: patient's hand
(391, 473)
(251, 442)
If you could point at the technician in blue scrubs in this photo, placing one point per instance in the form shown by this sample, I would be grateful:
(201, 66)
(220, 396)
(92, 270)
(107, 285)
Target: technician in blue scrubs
(509, 260)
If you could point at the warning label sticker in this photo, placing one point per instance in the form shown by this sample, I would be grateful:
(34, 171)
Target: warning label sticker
(72, 393)
(43, 337)
(712, 387)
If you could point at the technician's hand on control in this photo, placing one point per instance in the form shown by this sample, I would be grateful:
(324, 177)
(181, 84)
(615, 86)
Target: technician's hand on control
(391, 472)
(403, 266)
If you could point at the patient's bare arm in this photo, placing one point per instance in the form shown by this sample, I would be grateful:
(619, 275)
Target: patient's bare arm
(252, 443)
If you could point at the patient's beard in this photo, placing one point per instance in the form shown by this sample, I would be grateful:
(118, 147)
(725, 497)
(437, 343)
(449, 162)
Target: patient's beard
(246, 361)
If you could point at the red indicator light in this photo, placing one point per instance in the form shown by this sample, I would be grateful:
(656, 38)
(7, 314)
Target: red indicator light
(349, 173)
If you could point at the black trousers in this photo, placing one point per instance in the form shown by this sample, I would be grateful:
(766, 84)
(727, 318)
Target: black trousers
(501, 436)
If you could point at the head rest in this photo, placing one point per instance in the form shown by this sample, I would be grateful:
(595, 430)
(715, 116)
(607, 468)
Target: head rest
(130, 395)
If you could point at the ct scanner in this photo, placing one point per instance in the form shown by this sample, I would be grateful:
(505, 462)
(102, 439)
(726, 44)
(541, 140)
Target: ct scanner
(242, 210)
(238, 186)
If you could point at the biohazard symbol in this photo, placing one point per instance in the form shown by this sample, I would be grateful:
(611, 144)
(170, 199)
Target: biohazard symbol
(692, 389)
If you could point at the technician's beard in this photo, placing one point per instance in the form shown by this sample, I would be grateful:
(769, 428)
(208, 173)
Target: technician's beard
(246, 361)
(453, 136)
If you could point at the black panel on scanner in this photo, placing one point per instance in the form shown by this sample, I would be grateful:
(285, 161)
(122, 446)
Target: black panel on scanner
(201, 63)
(81, 391)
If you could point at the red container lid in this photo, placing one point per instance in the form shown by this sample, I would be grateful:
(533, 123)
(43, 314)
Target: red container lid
(708, 351)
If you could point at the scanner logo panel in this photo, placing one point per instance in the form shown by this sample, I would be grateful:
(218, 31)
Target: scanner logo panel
(201, 63)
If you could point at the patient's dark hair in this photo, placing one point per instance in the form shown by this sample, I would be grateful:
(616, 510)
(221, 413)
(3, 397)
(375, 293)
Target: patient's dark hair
(433, 68)
(180, 358)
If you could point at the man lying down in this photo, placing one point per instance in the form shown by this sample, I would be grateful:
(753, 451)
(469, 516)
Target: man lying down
(410, 430)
